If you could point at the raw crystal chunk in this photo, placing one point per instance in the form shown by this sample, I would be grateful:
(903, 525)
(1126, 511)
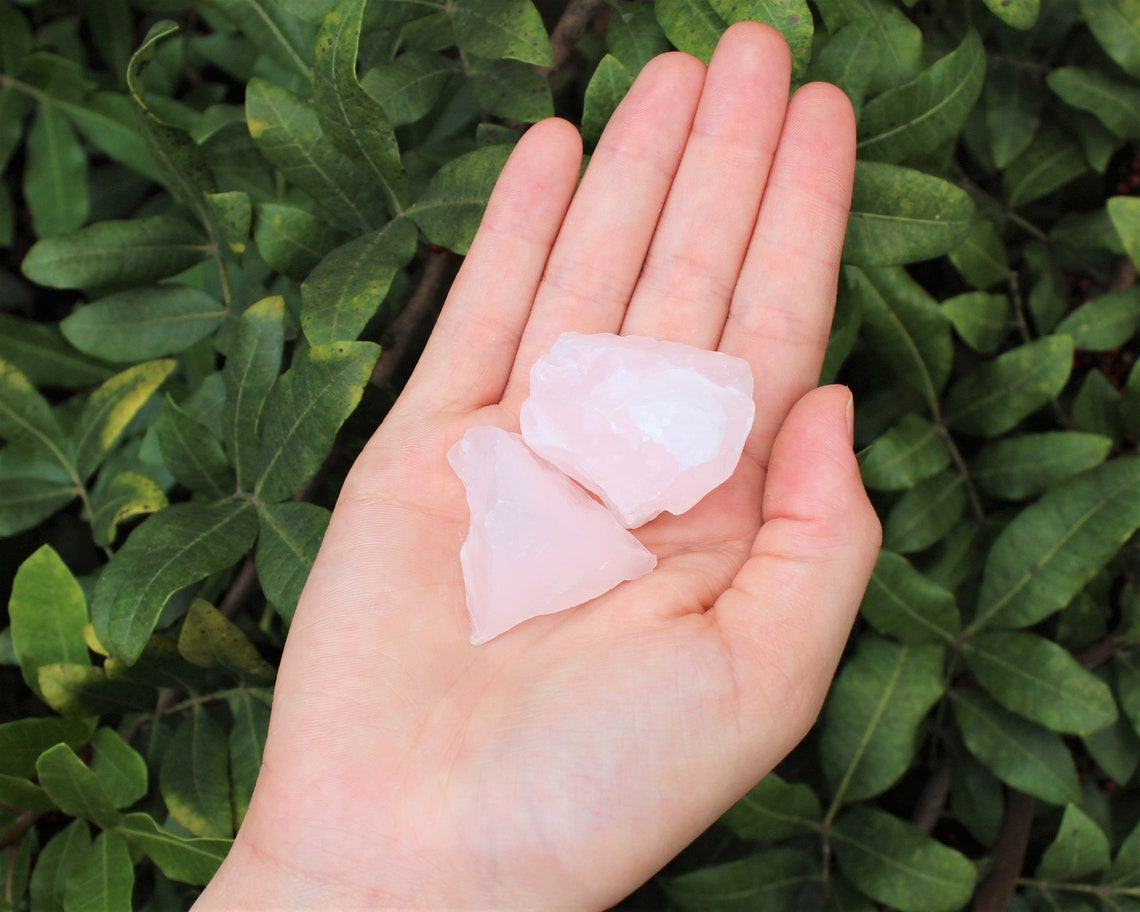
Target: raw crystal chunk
(536, 542)
(648, 426)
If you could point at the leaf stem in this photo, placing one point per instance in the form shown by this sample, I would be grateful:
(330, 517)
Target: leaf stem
(14, 833)
(963, 469)
(1103, 891)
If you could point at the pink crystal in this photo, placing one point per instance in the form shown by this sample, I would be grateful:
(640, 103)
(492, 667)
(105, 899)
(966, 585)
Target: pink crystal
(536, 543)
(648, 426)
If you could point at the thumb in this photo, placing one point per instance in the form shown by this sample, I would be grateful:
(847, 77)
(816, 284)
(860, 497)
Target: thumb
(788, 613)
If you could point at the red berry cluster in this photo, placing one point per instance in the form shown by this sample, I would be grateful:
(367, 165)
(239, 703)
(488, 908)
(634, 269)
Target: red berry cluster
(1129, 182)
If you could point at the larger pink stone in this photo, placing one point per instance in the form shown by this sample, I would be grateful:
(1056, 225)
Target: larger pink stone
(648, 426)
(536, 543)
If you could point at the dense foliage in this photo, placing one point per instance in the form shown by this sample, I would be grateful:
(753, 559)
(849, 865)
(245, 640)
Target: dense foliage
(212, 211)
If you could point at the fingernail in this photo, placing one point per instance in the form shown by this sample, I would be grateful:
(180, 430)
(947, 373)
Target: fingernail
(850, 415)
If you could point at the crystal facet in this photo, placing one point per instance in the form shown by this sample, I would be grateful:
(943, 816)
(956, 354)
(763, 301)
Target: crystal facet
(648, 426)
(536, 543)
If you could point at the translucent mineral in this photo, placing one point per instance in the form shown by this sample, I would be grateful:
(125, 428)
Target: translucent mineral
(648, 426)
(536, 542)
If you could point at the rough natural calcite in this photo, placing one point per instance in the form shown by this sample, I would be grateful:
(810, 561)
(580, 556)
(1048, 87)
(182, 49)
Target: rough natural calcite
(536, 543)
(648, 426)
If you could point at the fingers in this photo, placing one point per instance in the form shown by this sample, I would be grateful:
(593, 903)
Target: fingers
(789, 611)
(468, 359)
(781, 311)
(597, 258)
(693, 263)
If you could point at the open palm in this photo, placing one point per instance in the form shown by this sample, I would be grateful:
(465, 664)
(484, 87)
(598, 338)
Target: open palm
(561, 764)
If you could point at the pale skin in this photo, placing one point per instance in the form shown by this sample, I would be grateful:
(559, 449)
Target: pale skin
(562, 764)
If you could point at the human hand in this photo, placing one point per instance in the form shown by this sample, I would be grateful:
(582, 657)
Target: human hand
(563, 763)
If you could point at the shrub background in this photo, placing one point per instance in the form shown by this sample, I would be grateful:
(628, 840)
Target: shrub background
(226, 226)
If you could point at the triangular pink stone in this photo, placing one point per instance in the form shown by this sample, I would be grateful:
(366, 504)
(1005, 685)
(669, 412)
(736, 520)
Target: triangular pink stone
(536, 543)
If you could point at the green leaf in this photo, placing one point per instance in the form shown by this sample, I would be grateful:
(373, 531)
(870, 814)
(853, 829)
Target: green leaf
(1116, 749)
(348, 286)
(192, 454)
(774, 810)
(56, 862)
(251, 369)
(1036, 678)
(14, 105)
(899, 215)
(870, 724)
(1125, 214)
(1115, 103)
(247, 744)
(120, 769)
(55, 178)
(1096, 408)
(26, 417)
(1106, 321)
(849, 60)
(1024, 466)
(608, 85)
(902, 603)
(15, 41)
(1013, 99)
(39, 351)
(1125, 870)
(111, 408)
(47, 610)
(290, 534)
(1020, 753)
(131, 252)
(233, 214)
(911, 451)
(791, 18)
(172, 549)
(906, 123)
(1079, 849)
(19, 793)
(353, 119)
(269, 25)
(23, 740)
(409, 86)
(897, 40)
(26, 502)
(306, 409)
(904, 327)
(1021, 14)
(188, 859)
(981, 320)
(769, 880)
(981, 257)
(1011, 387)
(211, 640)
(510, 89)
(74, 788)
(925, 513)
(977, 800)
(502, 28)
(126, 495)
(143, 323)
(1126, 668)
(1053, 547)
(195, 776)
(288, 132)
(292, 240)
(634, 36)
(449, 210)
(691, 26)
(102, 880)
(894, 863)
(109, 122)
(82, 690)
(1050, 161)
(1116, 25)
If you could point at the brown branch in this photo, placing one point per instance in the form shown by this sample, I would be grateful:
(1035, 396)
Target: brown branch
(569, 29)
(240, 589)
(1099, 653)
(932, 801)
(996, 890)
(19, 828)
(422, 302)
